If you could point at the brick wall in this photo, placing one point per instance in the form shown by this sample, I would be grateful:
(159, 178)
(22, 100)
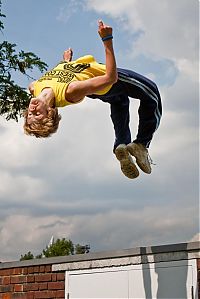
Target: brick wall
(31, 282)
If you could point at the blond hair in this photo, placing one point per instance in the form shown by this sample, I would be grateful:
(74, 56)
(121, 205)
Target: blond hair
(44, 128)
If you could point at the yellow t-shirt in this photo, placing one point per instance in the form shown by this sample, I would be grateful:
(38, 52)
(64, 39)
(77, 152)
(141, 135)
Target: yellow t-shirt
(65, 72)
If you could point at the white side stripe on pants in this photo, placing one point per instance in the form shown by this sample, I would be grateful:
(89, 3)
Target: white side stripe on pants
(147, 90)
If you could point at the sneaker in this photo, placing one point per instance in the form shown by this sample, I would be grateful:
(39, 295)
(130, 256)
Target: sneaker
(128, 167)
(140, 152)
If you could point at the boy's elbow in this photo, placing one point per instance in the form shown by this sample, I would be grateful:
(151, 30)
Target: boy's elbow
(113, 78)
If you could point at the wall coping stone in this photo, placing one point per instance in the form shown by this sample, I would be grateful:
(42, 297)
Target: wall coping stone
(190, 247)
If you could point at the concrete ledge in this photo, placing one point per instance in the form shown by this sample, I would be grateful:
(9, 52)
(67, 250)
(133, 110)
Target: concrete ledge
(144, 257)
(139, 254)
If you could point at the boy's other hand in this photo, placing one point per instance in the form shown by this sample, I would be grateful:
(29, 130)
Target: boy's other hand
(104, 30)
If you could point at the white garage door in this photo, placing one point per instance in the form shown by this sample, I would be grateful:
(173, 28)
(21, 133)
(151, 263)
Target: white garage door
(169, 280)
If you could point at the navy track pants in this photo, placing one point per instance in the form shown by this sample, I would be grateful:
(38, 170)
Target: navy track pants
(134, 85)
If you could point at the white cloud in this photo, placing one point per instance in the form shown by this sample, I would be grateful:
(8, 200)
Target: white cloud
(20, 187)
(189, 67)
(68, 10)
(17, 151)
(87, 135)
(112, 229)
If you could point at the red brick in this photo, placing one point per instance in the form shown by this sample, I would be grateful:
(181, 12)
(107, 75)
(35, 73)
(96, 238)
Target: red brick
(56, 285)
(18, 288)
(31, 287)
(44, 294)
(18, 279)
(48, 268)
(42, 269)
(43, 286)
(6, 289)
(16, 271)
(25, 271)
(43, 277)
(36, 269)
(18, 296)
(30, 270)
(61, 276)
(30, 278)
(30, 295)
(60, 294)
(54, 277)
(5, 272)
(6, 280)
(5, 296)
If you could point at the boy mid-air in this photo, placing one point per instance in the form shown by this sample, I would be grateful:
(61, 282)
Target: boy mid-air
(70, 81)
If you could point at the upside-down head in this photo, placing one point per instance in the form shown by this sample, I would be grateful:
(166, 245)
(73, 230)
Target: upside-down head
(40, 120)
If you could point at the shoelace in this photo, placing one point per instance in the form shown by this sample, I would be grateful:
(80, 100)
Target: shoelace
(150, 159)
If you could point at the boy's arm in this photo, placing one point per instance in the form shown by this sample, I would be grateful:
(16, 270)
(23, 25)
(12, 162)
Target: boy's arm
(79, 89)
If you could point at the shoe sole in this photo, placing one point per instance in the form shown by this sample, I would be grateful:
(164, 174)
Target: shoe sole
(142, 166)
(128, 167)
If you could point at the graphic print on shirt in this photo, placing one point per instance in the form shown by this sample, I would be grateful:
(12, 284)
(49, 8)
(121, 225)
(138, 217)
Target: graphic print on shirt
(66, 73)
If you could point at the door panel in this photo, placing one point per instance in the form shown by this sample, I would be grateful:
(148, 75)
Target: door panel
(99, 285)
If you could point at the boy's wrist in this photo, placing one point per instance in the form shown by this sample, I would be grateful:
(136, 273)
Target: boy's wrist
(107, 37)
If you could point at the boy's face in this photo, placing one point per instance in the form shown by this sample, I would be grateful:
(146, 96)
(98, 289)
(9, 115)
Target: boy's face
(37, 110)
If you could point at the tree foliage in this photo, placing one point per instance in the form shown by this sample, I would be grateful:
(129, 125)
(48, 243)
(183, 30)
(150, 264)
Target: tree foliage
(60, 247)
(27, 256)
(14, 99)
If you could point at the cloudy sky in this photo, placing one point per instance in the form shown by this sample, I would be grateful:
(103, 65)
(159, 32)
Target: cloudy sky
(70, 185)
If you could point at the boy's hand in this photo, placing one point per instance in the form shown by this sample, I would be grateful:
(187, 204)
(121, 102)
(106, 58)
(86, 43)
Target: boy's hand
(104, 30)
(67, 55)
